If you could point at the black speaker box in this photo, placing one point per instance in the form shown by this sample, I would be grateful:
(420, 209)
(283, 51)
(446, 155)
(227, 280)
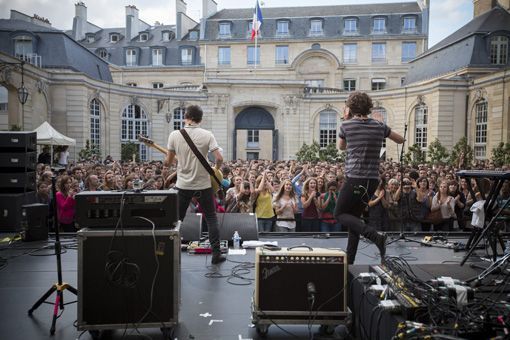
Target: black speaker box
(17, 181)
(35, 225)
(244, 224)
(113, 293)
(282, 281)
(10, 209)
(25, 161)
(18, 140)
(191, 227)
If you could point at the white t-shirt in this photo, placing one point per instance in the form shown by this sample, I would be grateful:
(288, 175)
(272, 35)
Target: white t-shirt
(62, 157)
(191, 174)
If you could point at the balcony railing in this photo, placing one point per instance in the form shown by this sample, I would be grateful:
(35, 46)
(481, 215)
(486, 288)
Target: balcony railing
(184, 88)
(31, 58)
(310, 90)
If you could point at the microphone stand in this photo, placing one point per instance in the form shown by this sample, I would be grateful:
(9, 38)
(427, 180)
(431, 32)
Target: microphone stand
(402, 236)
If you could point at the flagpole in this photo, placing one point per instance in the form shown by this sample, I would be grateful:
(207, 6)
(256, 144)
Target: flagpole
(256, 34)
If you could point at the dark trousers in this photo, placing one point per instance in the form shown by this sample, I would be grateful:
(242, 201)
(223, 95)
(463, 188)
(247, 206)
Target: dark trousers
(206, 199)
(352, 200)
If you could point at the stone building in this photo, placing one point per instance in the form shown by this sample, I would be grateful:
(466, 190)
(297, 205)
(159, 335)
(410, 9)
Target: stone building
(264, 101)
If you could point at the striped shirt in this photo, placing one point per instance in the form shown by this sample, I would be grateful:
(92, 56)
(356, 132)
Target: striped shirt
(364, 139)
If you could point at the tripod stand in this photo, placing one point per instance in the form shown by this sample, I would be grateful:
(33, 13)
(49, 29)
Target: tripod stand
(59, 286)
(402, 236)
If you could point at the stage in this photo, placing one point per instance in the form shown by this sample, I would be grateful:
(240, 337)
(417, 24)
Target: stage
(215, 301)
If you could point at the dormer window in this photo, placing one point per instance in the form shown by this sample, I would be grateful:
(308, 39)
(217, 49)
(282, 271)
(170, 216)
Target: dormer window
(499, 50)
(102, 53)
(23, 46)
(224, 29)
(167, 35)
(193, 35)
(351, 25)
(144, 36)
(282, 27)
(114, 37)
(409, 24)
(379, 25)
(316, 27)
(90, 38)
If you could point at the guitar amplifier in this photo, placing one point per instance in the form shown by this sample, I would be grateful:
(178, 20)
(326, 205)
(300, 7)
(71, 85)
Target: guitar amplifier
(284, 277)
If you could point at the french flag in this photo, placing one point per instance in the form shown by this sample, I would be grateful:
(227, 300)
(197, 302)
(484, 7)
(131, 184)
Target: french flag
(257, 21)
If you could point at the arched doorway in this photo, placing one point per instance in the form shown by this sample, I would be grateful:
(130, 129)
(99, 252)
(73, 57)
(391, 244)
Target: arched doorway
(255, 135)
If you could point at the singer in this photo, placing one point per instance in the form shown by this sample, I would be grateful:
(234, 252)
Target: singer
(362, 137)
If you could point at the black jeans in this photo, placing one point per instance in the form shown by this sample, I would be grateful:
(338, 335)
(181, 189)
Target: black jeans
(206, 199)
(352, 200)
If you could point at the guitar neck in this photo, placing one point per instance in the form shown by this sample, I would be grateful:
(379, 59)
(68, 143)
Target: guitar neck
(158, 147)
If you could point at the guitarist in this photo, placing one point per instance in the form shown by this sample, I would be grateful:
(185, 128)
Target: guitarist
(192, 178)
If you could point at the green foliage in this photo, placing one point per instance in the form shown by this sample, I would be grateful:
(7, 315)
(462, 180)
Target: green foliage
(501, 154)
(314, 153)
(437, 153)
(15, 127)
(462, 154)
(127, 151)
(414, 155)
(89, 151)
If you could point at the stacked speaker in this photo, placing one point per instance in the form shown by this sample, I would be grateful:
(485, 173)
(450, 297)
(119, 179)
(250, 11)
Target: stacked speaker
(18, 160)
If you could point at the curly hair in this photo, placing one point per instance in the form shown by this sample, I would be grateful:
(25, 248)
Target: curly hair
(359, 103)
(194, 113)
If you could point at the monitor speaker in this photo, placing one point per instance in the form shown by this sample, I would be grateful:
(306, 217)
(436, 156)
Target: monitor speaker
(10, 209)
(35, 222)
(244, 224)
(191, 227)
(115, 275)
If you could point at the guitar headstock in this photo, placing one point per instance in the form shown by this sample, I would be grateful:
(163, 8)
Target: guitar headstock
(145, 140)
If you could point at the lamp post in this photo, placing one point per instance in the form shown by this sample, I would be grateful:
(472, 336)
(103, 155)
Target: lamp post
(22, 91)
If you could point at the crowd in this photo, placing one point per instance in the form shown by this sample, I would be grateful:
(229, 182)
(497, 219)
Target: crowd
(289, 195)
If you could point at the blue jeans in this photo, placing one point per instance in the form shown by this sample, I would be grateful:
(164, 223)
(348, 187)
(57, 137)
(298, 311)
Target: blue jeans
(265, 225)
(330, 227)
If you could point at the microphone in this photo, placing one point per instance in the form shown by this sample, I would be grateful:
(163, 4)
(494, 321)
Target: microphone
(310, 287)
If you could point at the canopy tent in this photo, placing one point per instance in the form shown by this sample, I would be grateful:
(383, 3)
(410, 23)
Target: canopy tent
(47, 135)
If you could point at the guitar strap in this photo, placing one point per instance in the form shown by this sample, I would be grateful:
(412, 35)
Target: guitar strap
(200, 157)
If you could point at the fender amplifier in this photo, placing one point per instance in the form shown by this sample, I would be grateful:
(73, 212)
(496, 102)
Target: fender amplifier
(285, 278)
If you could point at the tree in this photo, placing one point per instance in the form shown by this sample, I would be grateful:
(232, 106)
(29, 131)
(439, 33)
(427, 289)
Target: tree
(314, 153)
(462, 154)
(128, 150)
(437, 152)
(89, 151)
(501, 154)
(331, 154)
(414, 155)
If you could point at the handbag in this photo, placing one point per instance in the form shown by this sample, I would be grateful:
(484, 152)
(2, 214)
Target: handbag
(220, 193)
(434, 217)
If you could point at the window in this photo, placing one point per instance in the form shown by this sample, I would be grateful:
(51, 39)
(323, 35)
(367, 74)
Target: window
(252, 156)
(91, 38)
(327, 128)
(420, 126)
(165, 36)
(193, 35)
(378, 84)
(499, 50)
(349, 84)
(252, 57)
(95, 123)
(4, 98)
(380, 114)
(282, 55)
(282, 27)
(379, 25)
(224, 29)
(132, 84)
(157, 85)
(134, 123)
(350, 53)
(179, 118)
(409, 24)
(351, 25)
(316, 27)
(253, 139)
(187, 56)
(144, 37)
(114, 37)
(408, 51)
(131, 59)
(314, 82)
(378, 52)
(481, 130)
(102, 53)
(224, 55)
(23, 46)
(157, 57)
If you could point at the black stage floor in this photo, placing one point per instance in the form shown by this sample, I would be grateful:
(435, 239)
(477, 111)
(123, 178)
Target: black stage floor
(216, 307)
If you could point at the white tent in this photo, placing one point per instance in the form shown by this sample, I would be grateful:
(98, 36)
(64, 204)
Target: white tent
(47, 135)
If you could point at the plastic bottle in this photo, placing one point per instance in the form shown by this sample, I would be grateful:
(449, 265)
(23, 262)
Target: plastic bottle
(237, 240)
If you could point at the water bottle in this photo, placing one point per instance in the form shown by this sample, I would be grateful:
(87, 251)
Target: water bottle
(507, 247)
(237, 240)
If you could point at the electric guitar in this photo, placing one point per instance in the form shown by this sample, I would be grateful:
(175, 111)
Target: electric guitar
(150, 143)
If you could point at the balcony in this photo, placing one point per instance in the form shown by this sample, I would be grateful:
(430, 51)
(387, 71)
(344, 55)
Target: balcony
(31, 58)
(317, 90)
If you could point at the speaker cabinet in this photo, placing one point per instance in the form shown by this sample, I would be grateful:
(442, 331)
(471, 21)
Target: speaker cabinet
(282, 279)
(21, 141)
(10, 209)
(115, 274)
(244, 224)
(191, 227)
(35, 227)
(17, 181)
(11, 160)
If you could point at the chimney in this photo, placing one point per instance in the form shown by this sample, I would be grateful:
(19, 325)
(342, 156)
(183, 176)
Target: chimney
(209, 7)
(132, 22)
(79, 21)
(180, 9)
(482, 6)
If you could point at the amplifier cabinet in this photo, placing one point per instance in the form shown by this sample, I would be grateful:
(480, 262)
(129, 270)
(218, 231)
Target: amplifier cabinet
(283, 278)
(21, 160)
(18, 140)
(17, 181)
(112, 294)
(10, 209)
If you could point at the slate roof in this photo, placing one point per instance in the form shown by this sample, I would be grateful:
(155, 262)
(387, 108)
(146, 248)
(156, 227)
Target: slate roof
(468, 46)
(57, 50)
